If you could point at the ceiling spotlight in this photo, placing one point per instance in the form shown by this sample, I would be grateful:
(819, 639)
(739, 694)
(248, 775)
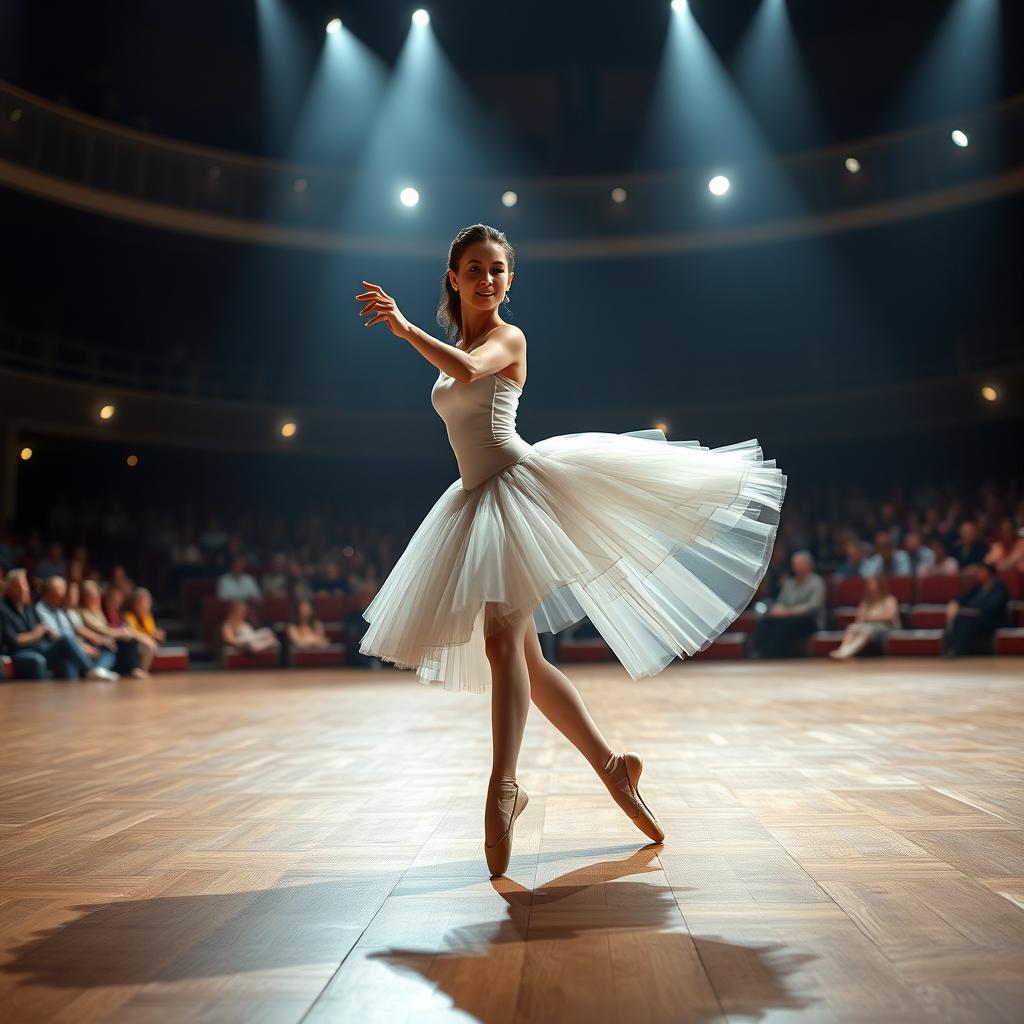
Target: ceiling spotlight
(132, 460)
(334, 25)
(718, 185)
(959, 138)
(300, 185)
(661, 425)
(509, 198)
(852, 164)
(989, 393)
(409, 196)
(618, 195)
(420, 17)
(107, 412)
(26, 454)
(678, 6)
(288, 429)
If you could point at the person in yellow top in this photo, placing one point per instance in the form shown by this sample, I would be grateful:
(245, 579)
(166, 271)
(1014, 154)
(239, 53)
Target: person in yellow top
(139, 615)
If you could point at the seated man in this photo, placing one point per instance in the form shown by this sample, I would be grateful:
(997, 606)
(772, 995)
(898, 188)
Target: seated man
(83, 657)
(237, 584)
(887, 560)
(799, 610)
(36, 648)
(971, 621)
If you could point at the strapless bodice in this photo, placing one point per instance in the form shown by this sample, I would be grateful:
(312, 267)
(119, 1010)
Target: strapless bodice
(481, 421)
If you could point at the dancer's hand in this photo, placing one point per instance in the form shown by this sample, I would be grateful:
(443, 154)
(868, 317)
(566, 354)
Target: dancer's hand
(384, 308)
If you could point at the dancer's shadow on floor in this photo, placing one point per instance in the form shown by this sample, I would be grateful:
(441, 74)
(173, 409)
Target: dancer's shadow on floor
(591, 945)
(598, 938)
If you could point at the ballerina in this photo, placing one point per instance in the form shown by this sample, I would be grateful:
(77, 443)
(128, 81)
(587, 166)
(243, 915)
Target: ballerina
(660, 543)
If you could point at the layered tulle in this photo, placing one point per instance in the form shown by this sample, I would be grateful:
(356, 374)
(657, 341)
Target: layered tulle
(661, 544)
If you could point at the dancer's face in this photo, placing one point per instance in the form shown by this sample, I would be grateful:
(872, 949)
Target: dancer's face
(483, 276)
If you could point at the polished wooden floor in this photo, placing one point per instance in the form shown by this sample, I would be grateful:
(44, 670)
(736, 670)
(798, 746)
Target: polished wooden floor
(844, 843)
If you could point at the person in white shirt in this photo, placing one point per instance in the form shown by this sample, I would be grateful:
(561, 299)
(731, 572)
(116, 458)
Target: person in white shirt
(238, 585)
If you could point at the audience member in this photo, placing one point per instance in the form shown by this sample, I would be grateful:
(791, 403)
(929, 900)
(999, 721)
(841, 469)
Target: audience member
(239, 633)
(968, 548)
(877, 614)
(920, 555)
(130, 660)
(854, 559)
(307, 632)
(275, 580)
(1007, 550)
(237, 584)
(971, 622)
(798, 612)
(942, 563)
(139, 615)
(886, 560)
(113, 600)
(86, 658)
(53, 564)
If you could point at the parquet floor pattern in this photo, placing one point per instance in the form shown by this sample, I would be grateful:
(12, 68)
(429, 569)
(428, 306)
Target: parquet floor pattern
(844, 843)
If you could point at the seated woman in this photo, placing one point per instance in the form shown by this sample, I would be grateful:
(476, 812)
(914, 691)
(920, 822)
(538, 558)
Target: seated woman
(127, 646)
(139, 615)
(113, 599)
(306, 633)
(238, 632)
(877, 614)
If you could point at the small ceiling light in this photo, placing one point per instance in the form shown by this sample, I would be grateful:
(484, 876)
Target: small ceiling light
(334, 25)
(989, 393)
(852, 164)
(661, 425)
(107, 412)
(509, 198)
(300, 185)
(959, 138)
(132, 460)
(409, 196)
(678, 6)
(718, 185)
(26, 454)
(288, 429)
(420, 17)
(618, 195)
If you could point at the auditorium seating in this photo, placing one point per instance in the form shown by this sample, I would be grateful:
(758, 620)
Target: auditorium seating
(6, 667)
(331, 657)
(170, 659)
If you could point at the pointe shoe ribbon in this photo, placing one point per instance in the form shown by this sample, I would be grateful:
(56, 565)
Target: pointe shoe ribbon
(499, 853)
(621, 774)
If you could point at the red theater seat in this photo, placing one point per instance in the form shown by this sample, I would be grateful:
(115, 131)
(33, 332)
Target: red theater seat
(331, 608)
(6, 667)
(1009, 641)
(589, 649)
(850, 591)
(934, 589)
(273, 610)
(727, 646)
(927, 616)
(234, 659)
(825, 641)
(331, 657)
(1012, 579)
(914, 642)
(170, 659)
(902, 588)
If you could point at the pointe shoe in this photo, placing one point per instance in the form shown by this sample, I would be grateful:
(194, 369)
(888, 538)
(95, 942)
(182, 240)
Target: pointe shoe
(500, 853)
(621, 775)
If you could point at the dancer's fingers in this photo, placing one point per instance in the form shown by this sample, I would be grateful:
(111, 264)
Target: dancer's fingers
(375, 287)
(376, 319)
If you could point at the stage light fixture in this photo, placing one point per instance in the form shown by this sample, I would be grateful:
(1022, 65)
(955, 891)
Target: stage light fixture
(288, 429)
(409, 196)
(26, 454)
(107, 412)
(678, 6)
(989, 393)
(618, 195)
(852, 164)
(420, 17)
(334, 25)
(509, 198)
(959, 138)
(718, 185)
(132, 460)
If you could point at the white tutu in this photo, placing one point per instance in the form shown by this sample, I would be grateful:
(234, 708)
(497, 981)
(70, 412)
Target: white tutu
(662, 544)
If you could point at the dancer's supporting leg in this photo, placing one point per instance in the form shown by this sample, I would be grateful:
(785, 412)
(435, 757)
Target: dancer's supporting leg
(510, 703)
(561, 704)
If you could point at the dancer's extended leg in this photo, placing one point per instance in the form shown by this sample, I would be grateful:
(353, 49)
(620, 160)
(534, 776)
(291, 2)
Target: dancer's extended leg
(561, 704)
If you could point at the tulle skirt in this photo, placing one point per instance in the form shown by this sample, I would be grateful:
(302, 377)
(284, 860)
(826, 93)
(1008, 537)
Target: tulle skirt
(661, 544)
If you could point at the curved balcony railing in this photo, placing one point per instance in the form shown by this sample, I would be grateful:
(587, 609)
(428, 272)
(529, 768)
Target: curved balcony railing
(83, 161)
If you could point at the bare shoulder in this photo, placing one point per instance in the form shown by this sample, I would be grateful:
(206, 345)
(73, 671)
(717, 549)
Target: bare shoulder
(513, 337)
